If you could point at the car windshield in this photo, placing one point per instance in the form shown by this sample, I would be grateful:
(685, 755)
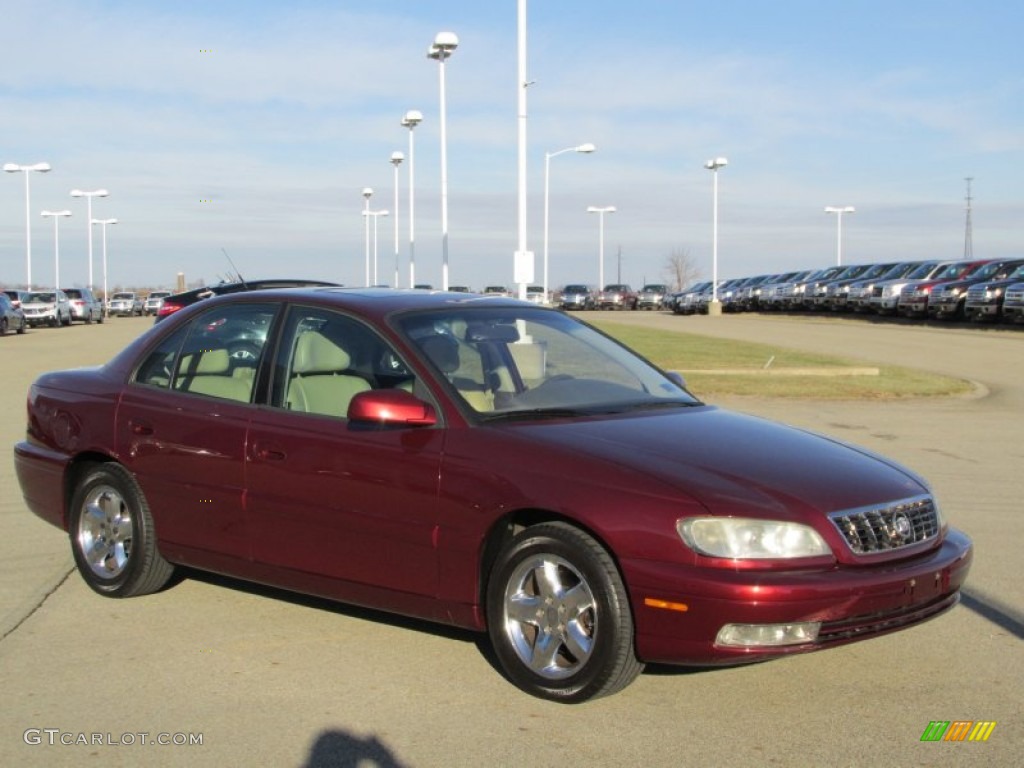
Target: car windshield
(922, 271)
(39, 297)
(576, 289)
(123, 296)
(522, 363)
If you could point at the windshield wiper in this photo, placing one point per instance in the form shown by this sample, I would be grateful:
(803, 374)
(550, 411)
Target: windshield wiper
(653, 404)
(527, 414)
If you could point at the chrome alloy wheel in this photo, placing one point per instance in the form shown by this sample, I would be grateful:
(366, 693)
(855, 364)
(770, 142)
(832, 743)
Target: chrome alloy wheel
(104, 532)
(550, 616)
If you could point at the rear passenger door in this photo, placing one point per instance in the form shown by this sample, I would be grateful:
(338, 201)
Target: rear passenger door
(336, 500)
(182, 425)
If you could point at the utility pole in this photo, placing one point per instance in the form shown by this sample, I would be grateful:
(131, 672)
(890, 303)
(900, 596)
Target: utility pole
(968, 232)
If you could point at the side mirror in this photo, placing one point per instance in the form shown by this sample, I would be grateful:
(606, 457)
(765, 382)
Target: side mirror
(676, 378)
(392, 408)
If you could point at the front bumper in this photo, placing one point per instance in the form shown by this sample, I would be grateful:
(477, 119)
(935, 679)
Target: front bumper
(851, 602)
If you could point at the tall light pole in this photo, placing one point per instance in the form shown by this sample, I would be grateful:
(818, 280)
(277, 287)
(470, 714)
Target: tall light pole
(411, 119)
(715, 308)
(601, 211)
(839, 211)
(88, 228)
(583, 148)
(523, 261)
(106, 296)
(444, 45)
(27, 170)
(396, 160)
(56, 216)
(367, 194)
(374, 215)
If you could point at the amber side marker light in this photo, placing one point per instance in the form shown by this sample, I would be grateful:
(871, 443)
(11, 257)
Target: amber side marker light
(655, 603)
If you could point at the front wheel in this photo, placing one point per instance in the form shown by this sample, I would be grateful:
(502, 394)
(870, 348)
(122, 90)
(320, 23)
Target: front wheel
(112, 535)
(559, 617)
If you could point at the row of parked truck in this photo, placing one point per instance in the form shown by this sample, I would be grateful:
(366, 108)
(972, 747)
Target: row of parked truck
(969, 289)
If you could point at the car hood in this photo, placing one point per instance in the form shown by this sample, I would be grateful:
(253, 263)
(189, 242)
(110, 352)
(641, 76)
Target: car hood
(737, 464)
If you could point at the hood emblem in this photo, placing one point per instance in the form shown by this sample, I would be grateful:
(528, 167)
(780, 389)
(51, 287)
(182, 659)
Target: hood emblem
(901, 530)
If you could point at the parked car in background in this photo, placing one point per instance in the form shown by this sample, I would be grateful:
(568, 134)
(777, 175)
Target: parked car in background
(1013, 303)
(125, 304)
(914, 298)
(885, 295)
(985, 300)
(12, 318)
(535, 294)
(154, 301)
(496, 290)
(459, 289)
(616, 296)
(46, 308)
(686, 302)
(652, 296)
(85, 307)
(577, 296)
(774, 294)
(801, 294)
(947, 300)
(858, 298)
(15, 296)
(179, 301)
(841, 292)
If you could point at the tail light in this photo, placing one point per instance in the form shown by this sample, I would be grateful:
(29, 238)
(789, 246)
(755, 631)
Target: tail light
(169, 308)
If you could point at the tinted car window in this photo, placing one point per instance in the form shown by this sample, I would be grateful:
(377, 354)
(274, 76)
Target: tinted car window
(217, 354)
(326, 358)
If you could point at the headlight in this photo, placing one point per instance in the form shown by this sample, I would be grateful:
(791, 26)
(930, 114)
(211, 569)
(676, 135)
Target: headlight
(739, 538)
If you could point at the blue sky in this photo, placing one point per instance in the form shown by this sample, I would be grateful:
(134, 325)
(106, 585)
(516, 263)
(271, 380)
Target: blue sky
(252, 127)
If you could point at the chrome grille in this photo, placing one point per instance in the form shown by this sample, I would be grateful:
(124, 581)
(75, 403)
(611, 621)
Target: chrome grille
(868, 530)
(1014, 295)
(977, 293)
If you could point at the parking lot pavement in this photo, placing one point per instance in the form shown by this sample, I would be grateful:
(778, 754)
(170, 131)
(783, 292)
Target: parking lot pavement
(267, 679)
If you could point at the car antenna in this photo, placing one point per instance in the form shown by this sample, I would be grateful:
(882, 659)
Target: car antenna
(239, 274)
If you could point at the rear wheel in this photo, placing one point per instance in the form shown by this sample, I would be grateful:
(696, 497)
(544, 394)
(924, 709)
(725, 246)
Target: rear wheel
(559, 617)
(112, 535)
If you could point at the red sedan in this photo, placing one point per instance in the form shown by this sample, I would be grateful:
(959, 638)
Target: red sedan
(481, 462)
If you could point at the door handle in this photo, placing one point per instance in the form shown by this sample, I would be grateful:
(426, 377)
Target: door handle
(269, 454)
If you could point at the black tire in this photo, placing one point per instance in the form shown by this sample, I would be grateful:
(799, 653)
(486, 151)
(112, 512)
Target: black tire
(112, 535)
(3, 326)
(587, 614)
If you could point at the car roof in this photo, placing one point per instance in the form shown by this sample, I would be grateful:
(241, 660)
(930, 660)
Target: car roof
(374, 303)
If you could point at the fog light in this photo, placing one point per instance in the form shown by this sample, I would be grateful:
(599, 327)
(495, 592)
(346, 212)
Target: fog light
(767, 635)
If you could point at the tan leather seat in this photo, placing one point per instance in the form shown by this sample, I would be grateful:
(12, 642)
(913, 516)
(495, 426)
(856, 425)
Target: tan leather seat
(319, 383)
(444, 352)
(209, 373)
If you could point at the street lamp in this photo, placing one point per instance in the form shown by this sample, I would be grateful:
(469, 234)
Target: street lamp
(715, 308)
(27, 169)
(582, 148)
(441, 50)
(600, 259)
(56, 216)
(375, 215)
(396, 160)
(411, 119)
(367, 194)
(88, 229)
(106, 297)
(839, 211)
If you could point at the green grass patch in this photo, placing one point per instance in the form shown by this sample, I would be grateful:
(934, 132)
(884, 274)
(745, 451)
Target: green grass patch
(690, 353)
